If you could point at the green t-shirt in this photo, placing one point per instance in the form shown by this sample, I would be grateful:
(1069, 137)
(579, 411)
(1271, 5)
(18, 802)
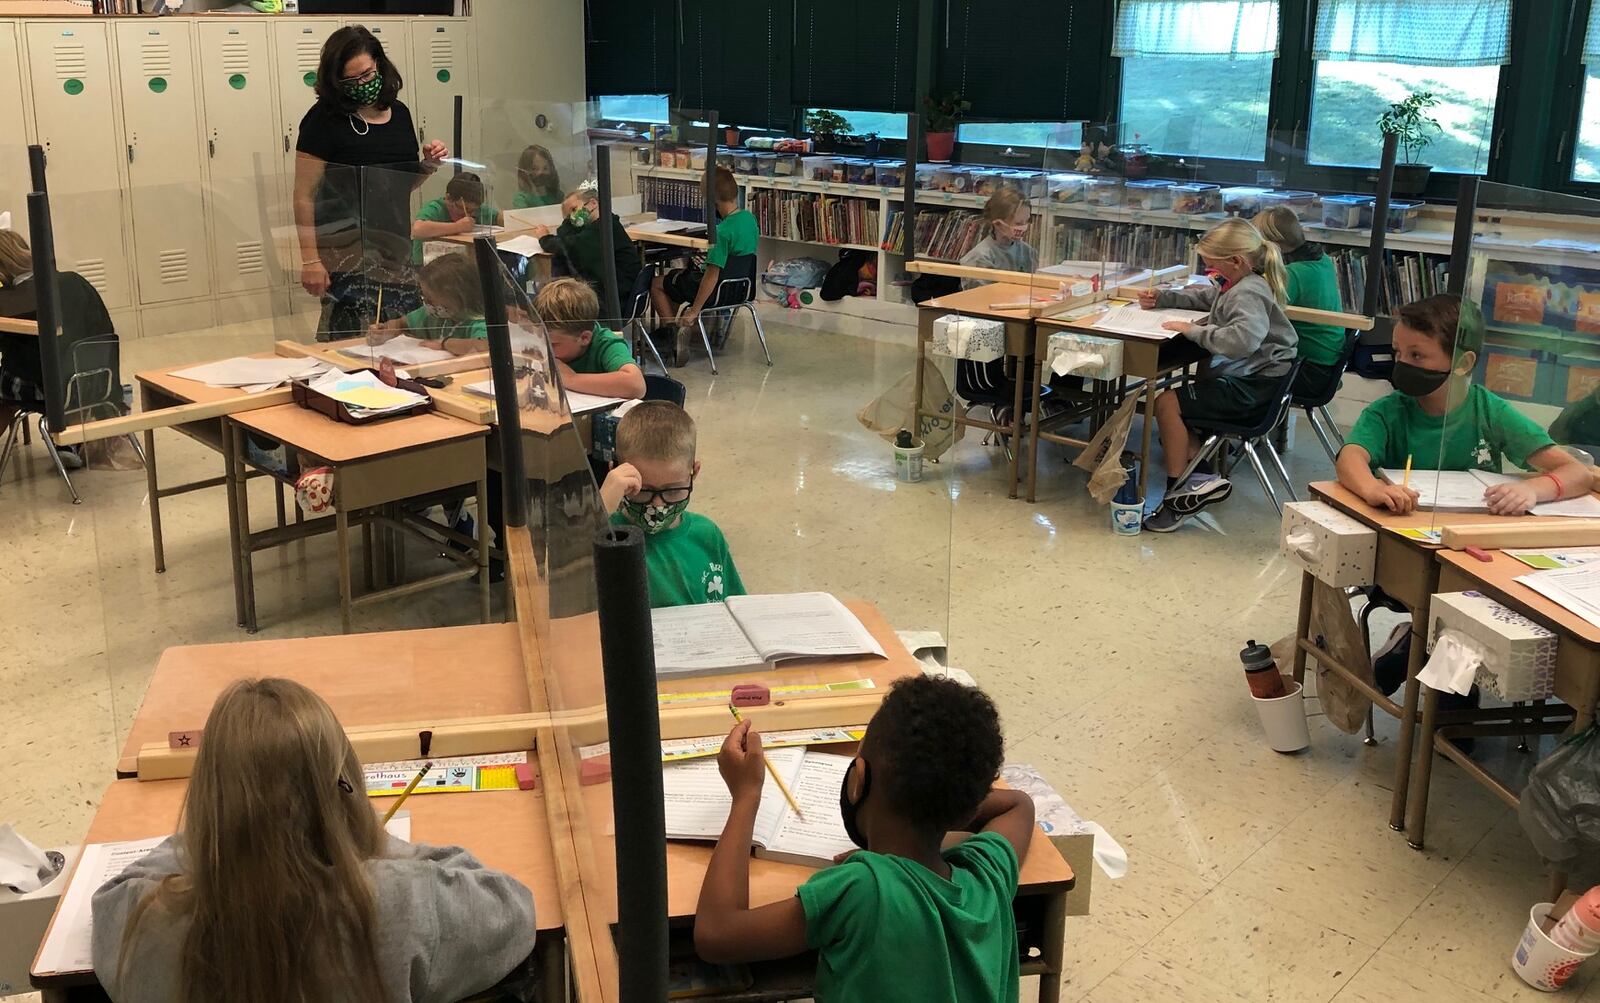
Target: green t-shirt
(736, 235)
(887, 928)
(532, 200)
(422, 324)
(688, 564)
(1579, 423)
(434, 211)
(607, 353)
(1315, 284)
(1479, 434)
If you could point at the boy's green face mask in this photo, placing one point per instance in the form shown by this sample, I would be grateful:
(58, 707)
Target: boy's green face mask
(652, 516)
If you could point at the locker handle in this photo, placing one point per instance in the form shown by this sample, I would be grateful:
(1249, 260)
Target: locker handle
(130, 153)
(211, 147)
(286, 142)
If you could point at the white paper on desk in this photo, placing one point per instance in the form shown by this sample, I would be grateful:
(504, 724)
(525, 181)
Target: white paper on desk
(526, 245)
(70, 946)
(251, 375)
(1131, 318)
(802, 625)
(23, 867)
(1463, 491)
(1453, 664)
(701, 638)
(1575, 589)
(577, 403)
(403, 349)
(359, 391)
(664, 225)
(532, 216)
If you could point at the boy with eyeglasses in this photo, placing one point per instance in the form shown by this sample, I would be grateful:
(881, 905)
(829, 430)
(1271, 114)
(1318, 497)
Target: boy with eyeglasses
(686, 555)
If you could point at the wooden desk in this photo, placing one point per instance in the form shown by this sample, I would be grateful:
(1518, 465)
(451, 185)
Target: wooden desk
(374, 466)
(683, 240)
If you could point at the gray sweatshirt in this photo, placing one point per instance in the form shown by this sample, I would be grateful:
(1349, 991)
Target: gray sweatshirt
(447, 926)
(1247, 334)
(1017, 256)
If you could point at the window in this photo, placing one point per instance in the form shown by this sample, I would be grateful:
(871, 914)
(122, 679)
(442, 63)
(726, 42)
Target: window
(887, 124)
(1371, 53)
(1043, 135)
(1197, 75)
(634, 108)
(1586, 155)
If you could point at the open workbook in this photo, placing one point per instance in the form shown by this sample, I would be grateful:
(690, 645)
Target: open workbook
(1134, 319)
(1462, 491)
(698, 803)
(750, 632)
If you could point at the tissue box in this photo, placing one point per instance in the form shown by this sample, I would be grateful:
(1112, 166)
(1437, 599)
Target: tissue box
(968, 338)
(1067, 344)
(1341, 550)
(1519, 655)
(23, 920)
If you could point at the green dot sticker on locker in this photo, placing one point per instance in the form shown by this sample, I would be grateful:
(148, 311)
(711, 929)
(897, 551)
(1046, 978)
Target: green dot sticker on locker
(158, 84)
(310, 78)
(236, 81)
(444, 76)
(73, 86)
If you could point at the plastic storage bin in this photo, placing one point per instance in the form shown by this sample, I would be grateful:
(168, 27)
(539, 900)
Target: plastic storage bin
(1345, 212)
(1244, 202)
(953, 179)
(766, 164)
(1103, 190)
(788, 165)
(1303, 204)
(744, 163)
(1065, 188)
(819, 168)
(889, 173)
(986, 180)
(1196, 198)
(860, 172)
(1403, 214)
(1148, 195)
(1030, 183)
(925, 176)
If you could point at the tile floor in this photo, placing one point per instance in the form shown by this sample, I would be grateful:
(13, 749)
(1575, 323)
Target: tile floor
(1254, 876)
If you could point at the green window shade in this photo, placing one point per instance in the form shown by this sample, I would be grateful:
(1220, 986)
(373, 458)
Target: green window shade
(735, 57)
(1018, 60)
(1229, 29)
(859, 54)
(1416, 32)
(630, 47)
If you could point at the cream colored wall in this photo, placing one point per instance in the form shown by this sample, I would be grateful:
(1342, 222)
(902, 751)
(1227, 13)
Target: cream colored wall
(530, 62)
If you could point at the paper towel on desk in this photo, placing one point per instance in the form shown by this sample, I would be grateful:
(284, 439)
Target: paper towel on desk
(1068, 362)
(24, 867)
(1454, 663)
(1303, 542)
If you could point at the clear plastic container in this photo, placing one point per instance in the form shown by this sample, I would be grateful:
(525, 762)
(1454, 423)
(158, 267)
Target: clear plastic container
(890, 173)
(788, 165)
(819, 168)
(1303, 204)
(1066, 188)
(1149, 195)
(1031, 184)
(1196, 198)
(986, 180)
(926, 174)
(954, 179)
(859, 172)
(1346, 212)
(766, 165)
(1244, 202)
(744, 163)
(1403, 214)
(1103, 190)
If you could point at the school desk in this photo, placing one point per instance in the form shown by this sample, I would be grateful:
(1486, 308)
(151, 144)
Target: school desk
(506, 830)
(1577, 682)
(374, 466)
(657, 237)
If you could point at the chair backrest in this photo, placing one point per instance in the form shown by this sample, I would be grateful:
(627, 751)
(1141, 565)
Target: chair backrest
(1352, 341)
(983, 382)
(1281, 395)
(638, 298)
(737, 283)
(664, 388)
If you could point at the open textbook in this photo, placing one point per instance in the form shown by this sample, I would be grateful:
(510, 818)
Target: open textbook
(698, 803)
(403, 349)
(1575, 588)
(1462, 491)
(748, 632)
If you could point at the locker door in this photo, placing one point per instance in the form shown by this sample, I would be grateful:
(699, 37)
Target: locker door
(73, 95)
(298, 43)
(161, 125)
(440, 72)
(14, 184)
(246, 166)
(394, 35)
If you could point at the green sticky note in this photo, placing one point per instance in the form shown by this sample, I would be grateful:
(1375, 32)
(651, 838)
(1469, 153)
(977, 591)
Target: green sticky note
(310, 78)
(236, 81)
(444, 76)
(158, 84)
(73, 86)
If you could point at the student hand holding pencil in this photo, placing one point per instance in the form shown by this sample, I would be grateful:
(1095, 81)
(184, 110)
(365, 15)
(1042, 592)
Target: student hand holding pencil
(742, 763)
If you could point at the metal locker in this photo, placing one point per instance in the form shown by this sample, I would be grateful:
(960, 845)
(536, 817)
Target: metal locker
(394, 35)
(440, 72)
(248, 194)
(161, 128)
(74, 111)
(14, 183)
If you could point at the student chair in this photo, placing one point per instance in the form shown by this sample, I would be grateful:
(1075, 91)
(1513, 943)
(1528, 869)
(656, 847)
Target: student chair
(635, 308)
(1252, 440)
(1316, 407)
(664, 388)
(989, 385)
(736, 290)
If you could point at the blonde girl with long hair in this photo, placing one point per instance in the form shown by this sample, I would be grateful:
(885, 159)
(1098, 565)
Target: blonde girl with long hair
(1005, 229)
(281, 886)
(1251, 344)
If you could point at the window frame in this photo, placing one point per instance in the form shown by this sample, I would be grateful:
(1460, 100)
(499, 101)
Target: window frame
(600, 99)
(1567, 111)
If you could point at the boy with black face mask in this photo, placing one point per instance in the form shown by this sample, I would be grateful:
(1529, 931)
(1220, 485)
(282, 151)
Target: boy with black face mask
(1440, 420)
(904, 919)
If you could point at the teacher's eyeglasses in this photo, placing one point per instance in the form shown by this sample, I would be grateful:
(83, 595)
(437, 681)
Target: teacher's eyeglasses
(359, 79)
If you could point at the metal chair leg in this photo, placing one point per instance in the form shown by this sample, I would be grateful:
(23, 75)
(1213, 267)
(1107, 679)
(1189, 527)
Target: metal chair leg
(1333, 426)
(705, 339)
(1315, 421)
(1522, 739)
(1277, 464)
(640, 333)
(18, 420)
(1261, 474)
(55, 455)
(1208, 449)
(760, 334)
(133, 440)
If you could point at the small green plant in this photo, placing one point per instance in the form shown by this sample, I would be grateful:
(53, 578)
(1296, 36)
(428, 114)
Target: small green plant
(1405, 119)
(826, 125)
(940, 114)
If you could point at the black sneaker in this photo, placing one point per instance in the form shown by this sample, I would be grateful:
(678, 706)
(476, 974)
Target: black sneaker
(1164, 519)
(1195, 494)
(1391, 660)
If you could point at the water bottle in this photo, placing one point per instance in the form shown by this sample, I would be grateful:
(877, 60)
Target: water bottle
(1266, 682)
(1127, 514)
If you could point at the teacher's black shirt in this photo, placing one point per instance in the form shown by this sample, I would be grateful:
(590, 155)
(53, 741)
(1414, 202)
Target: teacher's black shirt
(364, 201)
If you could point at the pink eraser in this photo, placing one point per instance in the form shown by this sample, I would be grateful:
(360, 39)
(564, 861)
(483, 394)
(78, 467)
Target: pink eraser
(1480, 554)
(527, 777)
(750, 695)
(594, 770)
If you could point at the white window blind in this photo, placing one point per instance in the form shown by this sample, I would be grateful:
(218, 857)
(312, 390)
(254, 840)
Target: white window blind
(1225, 29)
(1415, 32)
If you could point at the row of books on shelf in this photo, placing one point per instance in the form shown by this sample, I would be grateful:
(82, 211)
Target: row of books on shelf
(1403, 277)
(946, 235)
(1156, 246)
(672, 198)
(809, 216)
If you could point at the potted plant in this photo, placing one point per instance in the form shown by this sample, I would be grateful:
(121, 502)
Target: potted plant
(731, 134)
(940, 115)
(1415, 130)
(871, 144)
(825, 128)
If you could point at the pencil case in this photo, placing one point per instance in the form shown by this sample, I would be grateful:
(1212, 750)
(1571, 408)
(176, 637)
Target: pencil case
(313, 400)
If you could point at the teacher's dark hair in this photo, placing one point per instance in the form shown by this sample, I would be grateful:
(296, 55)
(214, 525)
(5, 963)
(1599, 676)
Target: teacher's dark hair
(342, 46)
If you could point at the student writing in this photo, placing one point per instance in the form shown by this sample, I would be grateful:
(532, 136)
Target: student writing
(1440, 420)
(592, 359)
(451, 310)
(281, 885)
(686, 556)
(1005, 221)
(461, 208)
(902, 919)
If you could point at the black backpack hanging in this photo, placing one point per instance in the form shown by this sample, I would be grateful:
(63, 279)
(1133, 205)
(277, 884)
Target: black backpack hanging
(845, 276)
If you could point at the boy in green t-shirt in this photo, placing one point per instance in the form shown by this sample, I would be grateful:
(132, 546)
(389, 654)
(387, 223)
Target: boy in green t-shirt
(686, 556)
(903, 919)
(737, 234)
(451, 311)
(458, 211)
(1440, 420)
(592, 359)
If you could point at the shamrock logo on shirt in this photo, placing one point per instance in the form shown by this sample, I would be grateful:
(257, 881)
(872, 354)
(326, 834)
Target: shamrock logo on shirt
(714, 587)
(1483, 454)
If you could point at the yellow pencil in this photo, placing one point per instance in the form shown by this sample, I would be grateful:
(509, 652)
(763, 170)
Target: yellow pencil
(793, 805)
(1406, 483)
(407, 792)
(377, 318)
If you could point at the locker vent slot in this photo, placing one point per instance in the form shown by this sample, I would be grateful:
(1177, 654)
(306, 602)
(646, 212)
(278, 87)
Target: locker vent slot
(156, 58)
(439, 52)
(307, 51)
(235, 56)
(94, 270)
(251, 257)
(174, 266)
(71, 61)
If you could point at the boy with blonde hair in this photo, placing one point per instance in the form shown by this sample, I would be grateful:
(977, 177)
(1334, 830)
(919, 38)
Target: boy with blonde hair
(686, 555)
(592, 358)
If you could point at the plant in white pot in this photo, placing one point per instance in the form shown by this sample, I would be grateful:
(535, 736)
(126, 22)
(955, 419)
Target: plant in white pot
(1408, 122)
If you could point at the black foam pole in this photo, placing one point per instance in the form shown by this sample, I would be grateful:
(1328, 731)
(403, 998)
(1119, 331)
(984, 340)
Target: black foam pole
(710, 195)
(48, 309)
(513, 472)
(1380, 226)
(627, 656)
(908, 213)
(610, 301)
(1461, 241)
(36, 168)
(456, 150)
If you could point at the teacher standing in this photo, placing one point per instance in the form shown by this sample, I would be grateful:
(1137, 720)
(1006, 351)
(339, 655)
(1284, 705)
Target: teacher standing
(357, 162)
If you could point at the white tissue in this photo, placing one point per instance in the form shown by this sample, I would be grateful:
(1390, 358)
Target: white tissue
(1301, 541)
(1056, 817)
(5, 221)
(23, 867)
(1068, 362)
(1454, 663)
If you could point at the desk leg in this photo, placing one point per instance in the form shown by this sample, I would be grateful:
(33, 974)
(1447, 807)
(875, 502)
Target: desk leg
(1144, 446)
(1023, 368)
(1055, 949)
(230, 488)
(1033, 432)
(247, 576)
(483, 547)
(1408, 723)
(924, 329)
(341, 522)
(1417, 816)
(283, 519)
(1302, 629)
(368, 556)
(152, 482)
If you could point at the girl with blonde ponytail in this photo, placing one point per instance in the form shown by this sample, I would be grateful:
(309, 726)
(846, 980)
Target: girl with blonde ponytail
(1252, 345)
(281, 887)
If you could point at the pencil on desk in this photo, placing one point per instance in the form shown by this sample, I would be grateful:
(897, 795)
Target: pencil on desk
(1406, 482)
(407, 792)
(773, 772)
